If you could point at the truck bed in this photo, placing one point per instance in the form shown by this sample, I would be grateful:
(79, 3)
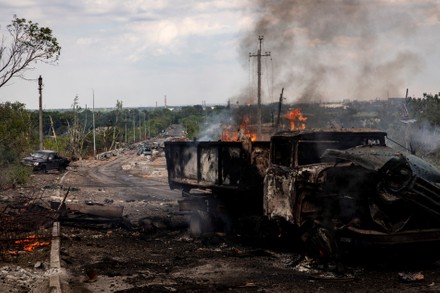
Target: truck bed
(220, 166)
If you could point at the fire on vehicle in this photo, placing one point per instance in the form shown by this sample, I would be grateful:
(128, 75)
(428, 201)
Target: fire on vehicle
(338, 189)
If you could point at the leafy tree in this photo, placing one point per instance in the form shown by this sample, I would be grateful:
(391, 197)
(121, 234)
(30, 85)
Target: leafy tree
(192, 124)
(160, 119)
(426, 109)
(28, 43)
(424, 131)
(15, 140)
(15, 136)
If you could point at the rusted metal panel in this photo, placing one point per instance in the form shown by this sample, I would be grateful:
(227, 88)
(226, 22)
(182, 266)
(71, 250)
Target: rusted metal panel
(343, 183)
(278, 201)
(208, 160)
(281, 191)
(220, 165)
(350, 184)
(182, 160)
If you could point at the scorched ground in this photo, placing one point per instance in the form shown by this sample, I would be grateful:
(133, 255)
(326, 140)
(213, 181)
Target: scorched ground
(151, 250)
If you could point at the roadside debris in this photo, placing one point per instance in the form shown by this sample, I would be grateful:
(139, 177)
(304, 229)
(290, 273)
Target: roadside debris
(25, 225)
(317, 270)
(411, 277)
(90, 214)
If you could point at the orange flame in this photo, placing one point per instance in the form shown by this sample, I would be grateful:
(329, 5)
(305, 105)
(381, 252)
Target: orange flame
(32, 243)
(295, 116)
(241, 134)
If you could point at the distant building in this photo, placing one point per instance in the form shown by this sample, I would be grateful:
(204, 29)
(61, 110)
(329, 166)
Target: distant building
(333, 105)
(396, 101)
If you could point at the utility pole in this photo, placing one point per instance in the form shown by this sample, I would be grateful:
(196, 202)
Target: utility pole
(149, 129)
(40, 112)
(134, 126)
(279, 108)
(126, 130)
(93, 120)
(406, 119)
(140, 127)
(145, 124)
(259, 55)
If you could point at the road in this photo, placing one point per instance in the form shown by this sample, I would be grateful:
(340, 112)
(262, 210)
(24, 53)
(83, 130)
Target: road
(132, 181)
(111, 175)
(159, 255)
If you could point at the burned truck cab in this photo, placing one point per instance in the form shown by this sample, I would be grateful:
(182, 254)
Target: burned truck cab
(346, 186)
(297, 165)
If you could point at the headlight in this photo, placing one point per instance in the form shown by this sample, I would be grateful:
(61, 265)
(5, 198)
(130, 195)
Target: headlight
(36, 164)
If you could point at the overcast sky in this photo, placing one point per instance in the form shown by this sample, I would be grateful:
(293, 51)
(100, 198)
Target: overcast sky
(140, 51)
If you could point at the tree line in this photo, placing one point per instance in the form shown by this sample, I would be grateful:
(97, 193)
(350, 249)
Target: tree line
(413, 123)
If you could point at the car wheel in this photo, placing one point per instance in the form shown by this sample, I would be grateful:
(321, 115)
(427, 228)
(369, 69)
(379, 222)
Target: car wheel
(43, 169)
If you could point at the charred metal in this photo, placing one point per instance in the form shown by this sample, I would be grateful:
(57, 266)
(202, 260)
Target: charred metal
(338, 188)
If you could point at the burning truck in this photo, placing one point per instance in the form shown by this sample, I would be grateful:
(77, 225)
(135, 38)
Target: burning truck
(336, 188)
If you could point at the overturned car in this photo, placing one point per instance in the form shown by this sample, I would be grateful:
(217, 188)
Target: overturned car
(346, 188)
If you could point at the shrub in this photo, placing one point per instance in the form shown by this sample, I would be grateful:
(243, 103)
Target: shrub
(13, 175)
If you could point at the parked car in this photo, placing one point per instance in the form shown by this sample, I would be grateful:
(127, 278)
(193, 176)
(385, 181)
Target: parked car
(145, 150)
(45, 160)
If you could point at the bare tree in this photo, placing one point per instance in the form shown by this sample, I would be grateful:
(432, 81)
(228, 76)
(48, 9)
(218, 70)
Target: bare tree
(118, 113)
(27, 43)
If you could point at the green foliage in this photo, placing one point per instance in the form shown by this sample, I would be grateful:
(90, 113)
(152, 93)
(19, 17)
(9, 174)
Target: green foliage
(28, 43)
(15, 136)
(60, 144)
(19, 135)
(13, 175)
(424, 130)
(192, 124)
(15, 140)
(159, 120)
(426, 108)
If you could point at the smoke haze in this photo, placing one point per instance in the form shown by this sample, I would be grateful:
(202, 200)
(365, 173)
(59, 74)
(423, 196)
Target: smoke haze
(341, 49)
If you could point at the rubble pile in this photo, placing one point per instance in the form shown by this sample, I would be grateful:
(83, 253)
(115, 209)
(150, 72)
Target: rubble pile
(18, 279)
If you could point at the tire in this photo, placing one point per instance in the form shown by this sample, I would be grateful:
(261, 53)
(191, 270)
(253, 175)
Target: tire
(43, 169)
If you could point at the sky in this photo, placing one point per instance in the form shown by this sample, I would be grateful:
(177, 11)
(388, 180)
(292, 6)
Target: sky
(189, 52)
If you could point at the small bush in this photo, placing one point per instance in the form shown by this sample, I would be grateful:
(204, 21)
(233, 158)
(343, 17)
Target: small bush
(14, 175)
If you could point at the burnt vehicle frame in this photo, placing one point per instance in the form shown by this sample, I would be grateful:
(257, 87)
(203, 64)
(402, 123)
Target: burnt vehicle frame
(218, 179)
(45, 160)
(346, 188)
(334, 187)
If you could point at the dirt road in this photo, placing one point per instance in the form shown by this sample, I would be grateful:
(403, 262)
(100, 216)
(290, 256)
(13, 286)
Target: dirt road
(134, 182)
(155, 253)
